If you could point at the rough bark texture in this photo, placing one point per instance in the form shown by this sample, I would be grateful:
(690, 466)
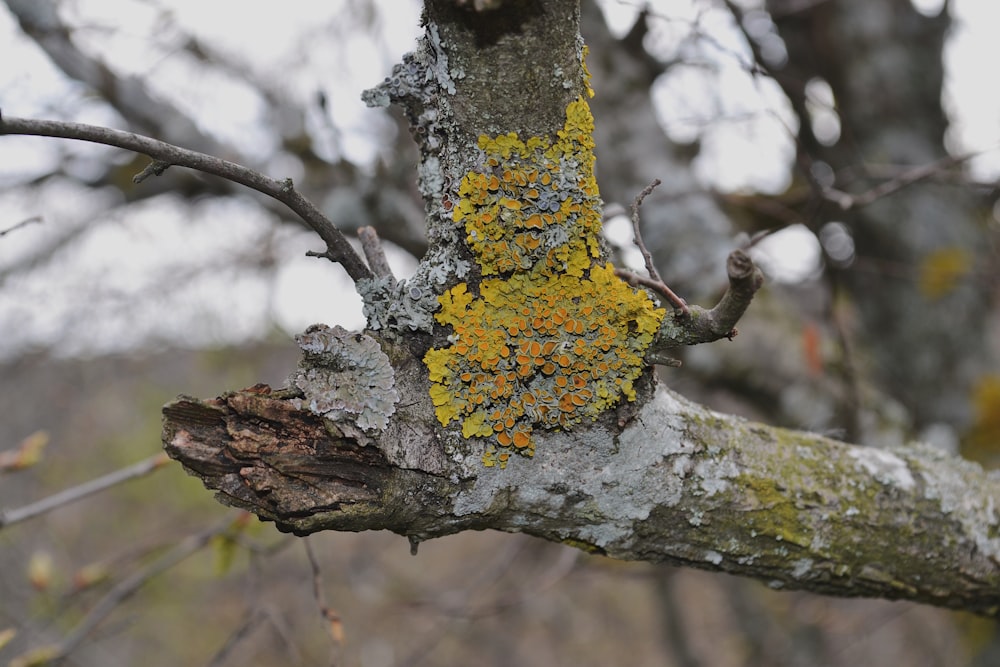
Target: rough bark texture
(651, 478)
(678, 484)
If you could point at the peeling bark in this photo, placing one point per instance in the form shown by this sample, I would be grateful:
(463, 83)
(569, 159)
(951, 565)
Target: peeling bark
(677, 484)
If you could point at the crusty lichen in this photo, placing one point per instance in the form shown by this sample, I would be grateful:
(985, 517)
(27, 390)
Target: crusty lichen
(345, 376)
(551, 336)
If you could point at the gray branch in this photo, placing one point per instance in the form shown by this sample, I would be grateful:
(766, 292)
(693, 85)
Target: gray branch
(338, 248)
(678, 484)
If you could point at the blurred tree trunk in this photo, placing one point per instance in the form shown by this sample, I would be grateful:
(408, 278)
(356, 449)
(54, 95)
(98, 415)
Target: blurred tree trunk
(918, 279)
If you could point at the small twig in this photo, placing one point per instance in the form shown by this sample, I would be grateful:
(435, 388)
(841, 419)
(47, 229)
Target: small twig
(10, 517)
(23, 223)
(372, 247)
(706, 326)
(338, 248)
(250, 622)
(332, 618)
(637, 235)
(654, 282)
(474, 586)
(847, 201)
(128, 587)
(657, 286)
(475, 608)
(154, 168)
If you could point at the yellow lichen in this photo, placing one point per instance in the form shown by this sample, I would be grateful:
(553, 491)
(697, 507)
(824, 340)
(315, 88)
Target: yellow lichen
(551, 338)
(586, 71)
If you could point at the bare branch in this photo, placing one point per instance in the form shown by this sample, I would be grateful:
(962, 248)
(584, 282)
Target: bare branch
(655, 282)
(23, 223)
(330, 616)
(372, 247)
(338, 247)
(646, 255)
(141, 469)
(131, 584)
(847, 201)
(657, 286)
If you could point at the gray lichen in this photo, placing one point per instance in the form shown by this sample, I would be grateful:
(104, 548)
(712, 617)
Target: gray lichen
(422, 85)
(345, 376)
(400, 307)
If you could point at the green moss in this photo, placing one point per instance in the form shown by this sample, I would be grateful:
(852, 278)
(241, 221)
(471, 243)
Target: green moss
(780, 519)
(583, 546)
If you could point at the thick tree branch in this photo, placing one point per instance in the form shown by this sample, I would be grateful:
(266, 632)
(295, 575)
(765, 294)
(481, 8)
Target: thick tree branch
(338, 249)
(678, 484)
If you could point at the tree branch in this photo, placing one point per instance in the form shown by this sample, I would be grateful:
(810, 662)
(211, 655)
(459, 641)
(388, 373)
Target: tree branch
(699, 325)
(128, 587)
(71, 495)
(19, 225)
(678, 484)
(654, 282)
(338, 248)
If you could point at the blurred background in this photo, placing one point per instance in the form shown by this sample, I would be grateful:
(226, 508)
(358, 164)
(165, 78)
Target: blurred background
(852, 145)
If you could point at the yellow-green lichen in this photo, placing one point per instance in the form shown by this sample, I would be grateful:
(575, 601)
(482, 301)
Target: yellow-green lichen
(534, 204)
(550, 338)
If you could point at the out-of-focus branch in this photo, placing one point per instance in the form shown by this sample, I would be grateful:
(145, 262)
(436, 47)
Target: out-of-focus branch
(335, 626)
(127, 94)
(128, 587)
(847, 201)
(23, 223)
(338, 249)
(67, 496)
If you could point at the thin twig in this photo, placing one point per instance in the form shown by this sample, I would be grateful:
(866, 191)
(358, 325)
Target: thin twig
(847, 201)
(332, 618)
(473, 588)
(473, 608)
(658, 286)
(10, 517)
(637, 235)
(250, 622)
(338, 247)
(654, 282)
(372, 247)
(128, 587)
(23, 223)
(154, 168)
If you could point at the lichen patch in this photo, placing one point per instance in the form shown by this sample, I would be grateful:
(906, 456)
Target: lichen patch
(550, 336)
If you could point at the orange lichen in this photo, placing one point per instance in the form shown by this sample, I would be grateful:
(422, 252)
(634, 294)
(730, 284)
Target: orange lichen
(551, 338)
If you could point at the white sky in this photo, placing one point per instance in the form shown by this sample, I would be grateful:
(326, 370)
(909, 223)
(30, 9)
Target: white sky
(749, 149)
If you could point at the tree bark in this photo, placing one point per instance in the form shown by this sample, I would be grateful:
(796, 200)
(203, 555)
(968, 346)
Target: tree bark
(678, 483)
